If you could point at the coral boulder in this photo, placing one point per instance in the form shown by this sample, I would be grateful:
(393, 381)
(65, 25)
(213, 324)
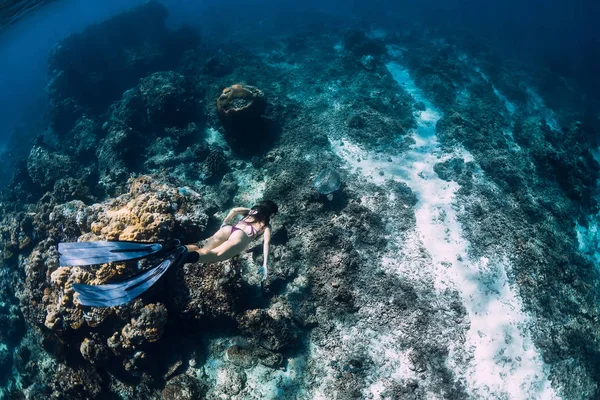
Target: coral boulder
(240, 109)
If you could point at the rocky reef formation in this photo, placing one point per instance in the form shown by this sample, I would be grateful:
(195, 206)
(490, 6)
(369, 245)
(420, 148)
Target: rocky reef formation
(162, 112)
(89, 71)
(110, 97)
(240, 109)
(361, 299)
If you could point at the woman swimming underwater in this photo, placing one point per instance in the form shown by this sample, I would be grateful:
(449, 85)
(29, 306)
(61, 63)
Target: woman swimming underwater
(231, 240)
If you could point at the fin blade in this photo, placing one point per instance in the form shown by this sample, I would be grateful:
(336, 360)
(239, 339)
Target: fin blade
(123, 292)
(90, 253)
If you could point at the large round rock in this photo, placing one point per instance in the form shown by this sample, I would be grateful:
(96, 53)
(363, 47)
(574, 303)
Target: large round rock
(240, 109)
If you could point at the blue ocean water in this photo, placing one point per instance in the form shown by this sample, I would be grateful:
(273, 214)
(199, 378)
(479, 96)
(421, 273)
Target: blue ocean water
(451, 250)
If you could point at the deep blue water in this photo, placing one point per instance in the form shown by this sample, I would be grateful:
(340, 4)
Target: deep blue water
(560, 35)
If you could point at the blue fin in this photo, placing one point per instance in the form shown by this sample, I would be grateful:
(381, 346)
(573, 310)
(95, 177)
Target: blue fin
(115, 294)
(91, 253)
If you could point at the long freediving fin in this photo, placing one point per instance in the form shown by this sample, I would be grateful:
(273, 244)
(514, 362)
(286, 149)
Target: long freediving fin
(115, 294)
(90, 253)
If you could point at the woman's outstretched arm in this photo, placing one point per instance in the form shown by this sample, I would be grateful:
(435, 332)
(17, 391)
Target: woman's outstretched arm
(266, 243)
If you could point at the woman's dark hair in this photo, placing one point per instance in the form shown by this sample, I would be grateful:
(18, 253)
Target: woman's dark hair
(263, 211)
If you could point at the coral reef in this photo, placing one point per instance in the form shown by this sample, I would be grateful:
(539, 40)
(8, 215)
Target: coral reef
(162, 104)
(150, 211)
(168, 99)
(107, 104)
(540, 186)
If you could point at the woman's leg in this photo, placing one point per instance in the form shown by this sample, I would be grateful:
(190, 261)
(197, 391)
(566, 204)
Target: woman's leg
(224, 251)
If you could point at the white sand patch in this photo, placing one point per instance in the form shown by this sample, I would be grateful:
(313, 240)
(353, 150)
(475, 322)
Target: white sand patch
(394, 50)
(505, 358)
(215, 138)
(589, 239)
(327, 372)
(392, 365)
(372, 166)
(510, 106)
(494, 310)
(502, 359)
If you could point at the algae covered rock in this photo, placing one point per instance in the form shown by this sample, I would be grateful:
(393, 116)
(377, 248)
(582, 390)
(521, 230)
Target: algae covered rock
(94, 351)
(269, 329)
(215, 166)
(205, 291)
(168, 99)
(75, 382)
(46, 167)
(182, 387)
(148, 326)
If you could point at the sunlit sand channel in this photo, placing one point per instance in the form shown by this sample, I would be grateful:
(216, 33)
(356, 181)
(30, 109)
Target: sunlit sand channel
(500, 356)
